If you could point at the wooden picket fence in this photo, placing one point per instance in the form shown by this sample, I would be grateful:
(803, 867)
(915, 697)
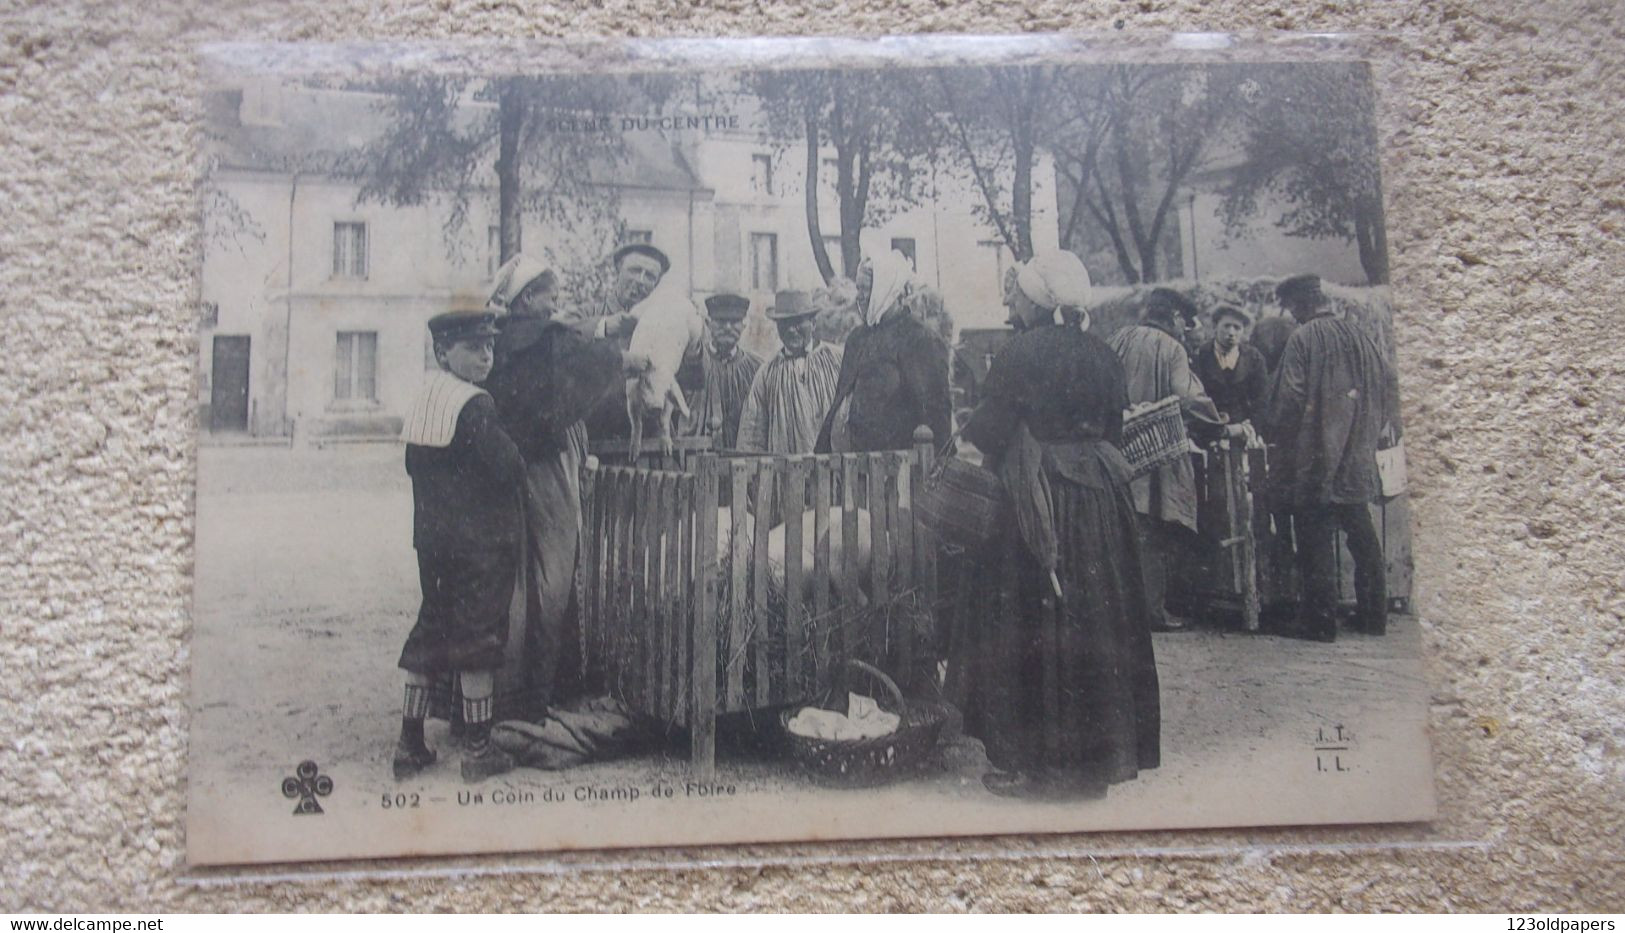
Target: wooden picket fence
(687, 621)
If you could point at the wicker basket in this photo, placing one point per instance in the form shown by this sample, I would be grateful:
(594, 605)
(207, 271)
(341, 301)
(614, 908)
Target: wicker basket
(1154, 435)
(962, 503)
(868, 762)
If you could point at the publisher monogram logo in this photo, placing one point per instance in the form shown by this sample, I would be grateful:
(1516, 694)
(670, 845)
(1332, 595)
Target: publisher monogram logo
(306, 785)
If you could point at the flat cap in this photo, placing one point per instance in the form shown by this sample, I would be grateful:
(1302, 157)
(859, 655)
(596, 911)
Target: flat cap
(463, 324)
(1240, 314)
(643, 249)
(1300, 288)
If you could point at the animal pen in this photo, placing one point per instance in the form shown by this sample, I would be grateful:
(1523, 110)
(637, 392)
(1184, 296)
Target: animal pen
(696, 600)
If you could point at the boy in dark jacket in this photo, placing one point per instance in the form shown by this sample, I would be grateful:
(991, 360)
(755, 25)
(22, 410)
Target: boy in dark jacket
(1232, 371)
(466, 525)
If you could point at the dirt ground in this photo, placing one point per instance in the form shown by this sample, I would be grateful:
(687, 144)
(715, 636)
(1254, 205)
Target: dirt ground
(307, 586)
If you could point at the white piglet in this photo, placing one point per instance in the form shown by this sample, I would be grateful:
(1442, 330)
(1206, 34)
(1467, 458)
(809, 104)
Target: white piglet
(669, 326)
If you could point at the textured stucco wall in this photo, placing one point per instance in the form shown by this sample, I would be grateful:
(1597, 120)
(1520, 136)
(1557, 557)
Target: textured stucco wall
(1504, 182)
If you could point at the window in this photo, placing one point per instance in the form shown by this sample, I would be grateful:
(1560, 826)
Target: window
(905, 245)
(493, 251)
(349, 250)
(761, 174)
(355, 367)
(764, 262)
(639, 236)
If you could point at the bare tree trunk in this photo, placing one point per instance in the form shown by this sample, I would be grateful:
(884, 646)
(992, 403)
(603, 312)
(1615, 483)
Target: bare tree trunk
(851, 225)
(815, 230)
(844, 137)
(511, 123)
(1108, 219)
(956, 117)
(1372, 237)
(1131, 207)
(1021, 197)
(852, 246)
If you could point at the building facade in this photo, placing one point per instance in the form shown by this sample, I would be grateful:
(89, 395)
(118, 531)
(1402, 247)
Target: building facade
(315, 302)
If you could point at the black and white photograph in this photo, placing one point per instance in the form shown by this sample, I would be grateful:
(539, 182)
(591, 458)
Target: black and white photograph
(774, 445)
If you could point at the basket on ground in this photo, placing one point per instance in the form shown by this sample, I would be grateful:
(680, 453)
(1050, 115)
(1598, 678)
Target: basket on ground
(1154, 435)
(877, 760)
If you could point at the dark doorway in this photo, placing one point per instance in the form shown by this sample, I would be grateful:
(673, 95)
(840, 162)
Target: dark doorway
(228, 395)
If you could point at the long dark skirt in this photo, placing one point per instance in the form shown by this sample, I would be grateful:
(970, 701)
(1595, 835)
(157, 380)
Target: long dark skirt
(1065, 690)
(542, 664)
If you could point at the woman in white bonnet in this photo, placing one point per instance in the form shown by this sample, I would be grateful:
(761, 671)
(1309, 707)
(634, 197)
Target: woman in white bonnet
(1053, 665)
(1058, 280)
(894, 369)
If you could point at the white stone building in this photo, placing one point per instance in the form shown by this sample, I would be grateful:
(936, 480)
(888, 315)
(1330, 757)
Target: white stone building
(314, 304)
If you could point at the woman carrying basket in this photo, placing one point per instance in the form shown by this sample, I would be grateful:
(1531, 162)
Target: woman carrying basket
(1058, 676)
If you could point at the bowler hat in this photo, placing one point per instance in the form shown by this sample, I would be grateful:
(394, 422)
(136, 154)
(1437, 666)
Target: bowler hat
(642, 249)
(789, 305)
(463, 325)
(727, 307)
(1304, 289)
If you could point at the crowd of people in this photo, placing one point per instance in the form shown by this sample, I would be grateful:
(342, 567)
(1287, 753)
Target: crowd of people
(1058, 678)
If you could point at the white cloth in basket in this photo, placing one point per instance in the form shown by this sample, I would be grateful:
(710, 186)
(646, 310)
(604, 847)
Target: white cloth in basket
(864, 719)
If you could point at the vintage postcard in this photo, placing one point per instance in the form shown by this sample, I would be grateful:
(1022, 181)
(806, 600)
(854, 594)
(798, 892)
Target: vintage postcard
(721, 442)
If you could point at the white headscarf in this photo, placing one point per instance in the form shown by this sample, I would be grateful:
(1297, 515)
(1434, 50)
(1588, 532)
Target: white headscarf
(518, 272)
(1056, 279)
(893, 277)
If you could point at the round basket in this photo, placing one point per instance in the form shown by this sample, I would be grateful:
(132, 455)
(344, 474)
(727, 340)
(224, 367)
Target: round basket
(877, 760)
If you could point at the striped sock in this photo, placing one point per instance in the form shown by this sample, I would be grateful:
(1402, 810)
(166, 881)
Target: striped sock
(417, 702)
(477, 712)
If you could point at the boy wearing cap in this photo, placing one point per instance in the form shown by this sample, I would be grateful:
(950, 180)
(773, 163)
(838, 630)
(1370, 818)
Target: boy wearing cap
(466, 527)
(1232, 370)
(727, 371)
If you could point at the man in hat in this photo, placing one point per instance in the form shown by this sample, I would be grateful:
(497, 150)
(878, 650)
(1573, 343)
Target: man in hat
(1333, 394)
(727, 369)
(1156, 366)
(792, 392)
(466, 529)
(1232, 370)
(545, 379)
(639, 267)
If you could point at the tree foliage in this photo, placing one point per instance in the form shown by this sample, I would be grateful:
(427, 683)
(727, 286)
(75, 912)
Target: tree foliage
(877, 135)
(1146, 129)
(550, 145)
(995, 121)
(1311, 140)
